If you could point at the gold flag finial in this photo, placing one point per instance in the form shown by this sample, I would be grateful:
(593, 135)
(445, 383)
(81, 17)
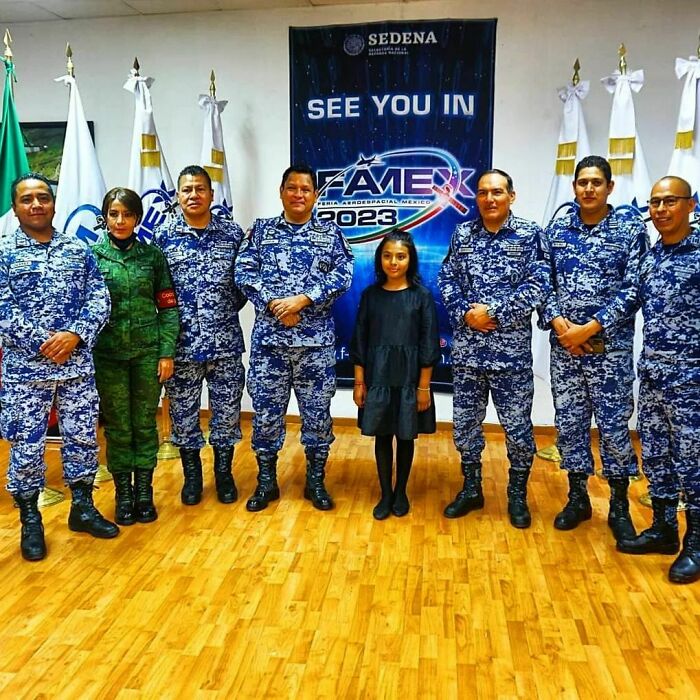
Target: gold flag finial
(70, 66)
(622, 52)
(576, 78)
(136, 65)
(8, 41)
(212, 84)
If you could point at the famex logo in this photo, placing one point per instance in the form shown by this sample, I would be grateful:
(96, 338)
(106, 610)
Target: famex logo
(386, 190)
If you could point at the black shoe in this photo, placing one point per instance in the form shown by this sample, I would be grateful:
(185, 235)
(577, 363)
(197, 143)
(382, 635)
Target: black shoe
(401, 505)
(383, 509)
(578, 507)
(124, 513)
(84, 517)
(32, 543)
(315, 489)
(144, 506)
(619, 519)
(226, 490)
(191, 493)
(662, 536)
(471, 496)
(518, 511)
(267, 489)
(686, 568)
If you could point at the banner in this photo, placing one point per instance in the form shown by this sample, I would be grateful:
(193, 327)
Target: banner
(397, 120)
(213, 156)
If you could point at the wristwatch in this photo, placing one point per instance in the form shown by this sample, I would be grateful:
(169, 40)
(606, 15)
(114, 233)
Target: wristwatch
(490, 312)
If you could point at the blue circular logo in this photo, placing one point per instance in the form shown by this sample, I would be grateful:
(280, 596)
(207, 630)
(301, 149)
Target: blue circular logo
(353, 44)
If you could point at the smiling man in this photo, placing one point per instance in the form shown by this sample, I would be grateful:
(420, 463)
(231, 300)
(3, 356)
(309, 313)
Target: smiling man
(595, 254)
(53, 304)
(492, 279)
(669, 379)
(293, 267)
(201, 249)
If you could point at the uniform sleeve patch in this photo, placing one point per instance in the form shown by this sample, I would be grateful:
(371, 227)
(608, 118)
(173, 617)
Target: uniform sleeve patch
(166, 299)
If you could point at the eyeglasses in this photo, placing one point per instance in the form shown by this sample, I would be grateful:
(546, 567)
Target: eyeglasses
(668, 202)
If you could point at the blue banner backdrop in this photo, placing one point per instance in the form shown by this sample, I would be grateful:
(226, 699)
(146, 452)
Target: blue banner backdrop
(397, 119)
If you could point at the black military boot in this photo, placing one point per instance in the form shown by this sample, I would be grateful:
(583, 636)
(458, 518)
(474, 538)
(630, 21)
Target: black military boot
(686, 568)
(578, 507)
(123, 499)
(191, 493)
(662, 536)
(267, 489)
(84, 517)
(517, 498)
(226, 490)
(32, 544)
(144, 506)
(315, 489)
(619, 520)
(471, 496)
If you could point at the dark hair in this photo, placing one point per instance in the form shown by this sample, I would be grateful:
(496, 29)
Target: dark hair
(594, 162)
(127, 197)
(397, 235)
(301, 169)
(502, 173)
(30, 176)
(194, 171)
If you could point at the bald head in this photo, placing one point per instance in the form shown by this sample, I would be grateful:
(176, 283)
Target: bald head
(679, 185)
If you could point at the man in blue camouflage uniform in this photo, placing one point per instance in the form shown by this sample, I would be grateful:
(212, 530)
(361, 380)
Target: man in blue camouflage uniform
(492, 279)
(595, 254)
(293, 268)
(669, 375)
(201, 249)
(53, 303)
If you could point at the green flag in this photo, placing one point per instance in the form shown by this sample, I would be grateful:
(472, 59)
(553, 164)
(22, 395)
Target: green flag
(13, 159)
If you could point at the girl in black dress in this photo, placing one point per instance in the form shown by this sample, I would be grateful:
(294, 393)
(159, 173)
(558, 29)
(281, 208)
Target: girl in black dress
(394, 348)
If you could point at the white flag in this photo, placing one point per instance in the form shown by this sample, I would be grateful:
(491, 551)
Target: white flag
(81, 186)
(629, 167)
(685, 161)
(148, 171)
(213, 157)
(573, 145)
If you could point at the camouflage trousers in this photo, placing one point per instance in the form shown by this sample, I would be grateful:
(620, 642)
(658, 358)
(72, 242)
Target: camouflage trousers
(225, 379)
(25, 416)
(512, 392)
(597, 385)
(273, 372)
(129, 392)
(669, 428)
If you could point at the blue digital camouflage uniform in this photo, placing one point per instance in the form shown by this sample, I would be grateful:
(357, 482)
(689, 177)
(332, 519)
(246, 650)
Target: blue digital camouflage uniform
(669, 369)
(507, 271)
(45, 288)
(595, 274)
(279, 260)
(210, 343)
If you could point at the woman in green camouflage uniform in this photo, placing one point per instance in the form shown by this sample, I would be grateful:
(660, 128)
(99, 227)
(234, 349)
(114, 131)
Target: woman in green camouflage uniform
(133, 354)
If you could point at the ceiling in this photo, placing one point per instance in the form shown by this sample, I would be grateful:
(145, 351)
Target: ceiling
(12, 11)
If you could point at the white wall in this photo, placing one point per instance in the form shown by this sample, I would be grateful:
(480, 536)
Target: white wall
(537, 43)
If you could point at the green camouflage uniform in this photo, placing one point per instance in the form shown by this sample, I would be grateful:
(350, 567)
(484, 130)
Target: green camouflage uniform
(142, 328)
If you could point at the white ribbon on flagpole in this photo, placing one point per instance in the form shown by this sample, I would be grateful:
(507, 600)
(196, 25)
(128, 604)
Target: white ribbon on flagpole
(81, 186)
(148, 170)
(213, 156)
(685, 161)
(625, 153)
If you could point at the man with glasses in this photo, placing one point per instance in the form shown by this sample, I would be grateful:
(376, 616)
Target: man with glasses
(669, 376)
(595, 253)
(293, 267)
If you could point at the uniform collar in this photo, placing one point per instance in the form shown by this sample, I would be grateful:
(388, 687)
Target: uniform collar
(507, 225)
(606, 222)
(106, 250)
(182, 225)
(312, 223)
(24, 240)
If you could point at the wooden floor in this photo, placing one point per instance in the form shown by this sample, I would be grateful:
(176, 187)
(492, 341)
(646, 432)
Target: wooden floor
(215, 602)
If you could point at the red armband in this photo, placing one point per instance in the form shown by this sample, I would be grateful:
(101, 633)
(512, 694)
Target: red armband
(166, 299)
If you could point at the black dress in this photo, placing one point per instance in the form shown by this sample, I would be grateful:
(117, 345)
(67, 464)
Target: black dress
(396, 334)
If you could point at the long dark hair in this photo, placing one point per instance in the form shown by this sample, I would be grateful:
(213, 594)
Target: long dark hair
(397, 235)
